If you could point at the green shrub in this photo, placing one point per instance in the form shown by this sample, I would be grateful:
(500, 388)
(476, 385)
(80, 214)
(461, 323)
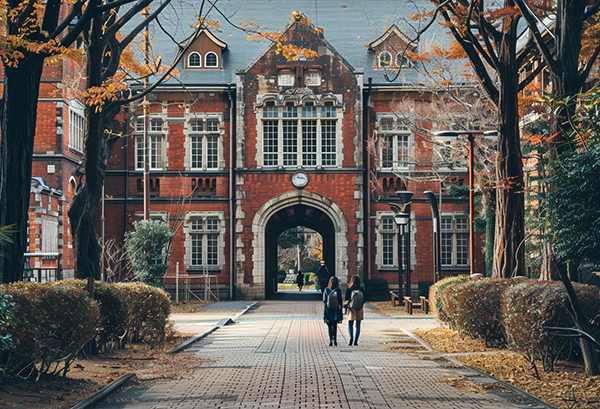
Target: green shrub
(113, 312)
(376, 289)
(281, 276)
(474, 307)
(147, 249)
(530, 308)
(435, 296)
(148, 312)
(52, 322)
(6, 321)
(310, 278)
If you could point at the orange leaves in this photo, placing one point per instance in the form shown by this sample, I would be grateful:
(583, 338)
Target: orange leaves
(206, 23)
(274, 37)
(292, 52)
(10, 58)
(111, 90)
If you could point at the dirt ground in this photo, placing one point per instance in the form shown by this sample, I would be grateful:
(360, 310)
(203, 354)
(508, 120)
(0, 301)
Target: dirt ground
(88, 376)
(568, 387)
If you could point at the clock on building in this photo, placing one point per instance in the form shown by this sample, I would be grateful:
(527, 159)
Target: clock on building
(300, 179)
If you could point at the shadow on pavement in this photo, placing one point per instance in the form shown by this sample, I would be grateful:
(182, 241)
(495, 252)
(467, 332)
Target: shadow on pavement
(295, 295)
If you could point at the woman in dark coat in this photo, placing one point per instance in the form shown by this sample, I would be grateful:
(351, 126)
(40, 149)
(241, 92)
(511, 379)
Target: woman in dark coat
(300, 280)
(355, 317)
(332, 316)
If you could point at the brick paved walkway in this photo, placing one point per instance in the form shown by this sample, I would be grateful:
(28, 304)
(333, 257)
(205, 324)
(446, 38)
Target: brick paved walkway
(277, 356)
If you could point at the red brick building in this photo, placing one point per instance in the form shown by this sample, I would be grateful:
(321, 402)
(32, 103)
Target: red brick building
(247, 143)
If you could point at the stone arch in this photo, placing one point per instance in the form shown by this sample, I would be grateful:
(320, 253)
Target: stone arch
(338, 256)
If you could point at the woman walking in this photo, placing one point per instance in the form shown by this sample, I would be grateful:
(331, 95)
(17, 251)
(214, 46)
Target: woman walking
(332, 298)
(300, 280)
(355, 299)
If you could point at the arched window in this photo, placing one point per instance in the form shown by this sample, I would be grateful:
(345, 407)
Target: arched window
(402, 61)
(211, 60)
(194, 60)
(385, 59)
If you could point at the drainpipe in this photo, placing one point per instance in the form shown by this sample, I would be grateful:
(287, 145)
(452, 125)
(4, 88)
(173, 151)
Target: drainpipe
(231, 195)
(367, 178)
(126, 206)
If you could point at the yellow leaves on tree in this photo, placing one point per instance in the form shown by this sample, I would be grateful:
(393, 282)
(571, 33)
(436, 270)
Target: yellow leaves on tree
(292, 52)
(200, 21)
(111, 90)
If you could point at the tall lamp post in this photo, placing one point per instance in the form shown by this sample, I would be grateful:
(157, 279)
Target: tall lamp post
(471, 138)
(437, 245)
(402, 219)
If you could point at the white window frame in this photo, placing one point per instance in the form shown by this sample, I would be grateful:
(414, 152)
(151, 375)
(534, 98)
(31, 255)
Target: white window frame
(207, 139)
(317, 141)
(76, 126)
(194, 53)
(380, 60)
(158, 144)
(208, 238)
(400, 63)
(395, 144)
(206, 65)
(49, 230)
(454, 240)
(387, 233)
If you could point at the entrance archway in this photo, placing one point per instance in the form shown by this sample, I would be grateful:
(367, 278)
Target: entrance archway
(291, 209)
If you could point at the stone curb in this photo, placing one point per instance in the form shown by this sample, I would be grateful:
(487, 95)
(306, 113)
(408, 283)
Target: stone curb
(455, 361)
(108, 389)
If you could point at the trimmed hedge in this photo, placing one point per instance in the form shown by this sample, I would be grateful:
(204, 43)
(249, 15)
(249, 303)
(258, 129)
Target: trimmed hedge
(474, 307)
(148, 311)
(435, 296)
(530, 307)
(52, 322)
(114, 313)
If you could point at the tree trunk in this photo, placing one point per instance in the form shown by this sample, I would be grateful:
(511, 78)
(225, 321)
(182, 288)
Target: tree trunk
(490, 229)
(509, 254)
(590, 359)
(19, 114)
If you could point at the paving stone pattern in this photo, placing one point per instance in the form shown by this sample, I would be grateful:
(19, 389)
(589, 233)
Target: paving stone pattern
(277, 356)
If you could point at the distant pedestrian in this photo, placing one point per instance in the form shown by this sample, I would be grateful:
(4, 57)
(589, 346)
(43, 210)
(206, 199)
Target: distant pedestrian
(332, 314)
(300, 280)
(355, 299)
(323, 276)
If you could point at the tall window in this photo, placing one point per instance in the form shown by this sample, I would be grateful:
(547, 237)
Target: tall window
(156, 149)
(194, 60)
(390, 236)
(76, 126)
(204, 244)
(204, 143)
(455, 241)
(305, 135)
(394, 144)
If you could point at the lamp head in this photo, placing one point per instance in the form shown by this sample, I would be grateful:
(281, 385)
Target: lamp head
(405, 196)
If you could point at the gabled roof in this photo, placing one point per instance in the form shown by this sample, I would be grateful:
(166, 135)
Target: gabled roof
(349, 27)
(392, 30)
(210, 35)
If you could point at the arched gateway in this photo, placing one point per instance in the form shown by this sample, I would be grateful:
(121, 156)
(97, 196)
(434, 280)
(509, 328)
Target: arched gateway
(290, 209)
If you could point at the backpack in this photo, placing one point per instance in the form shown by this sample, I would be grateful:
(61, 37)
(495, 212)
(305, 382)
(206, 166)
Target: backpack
(357, 299)
(333, 302)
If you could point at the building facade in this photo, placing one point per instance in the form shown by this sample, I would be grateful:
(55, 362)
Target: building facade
(256, 137)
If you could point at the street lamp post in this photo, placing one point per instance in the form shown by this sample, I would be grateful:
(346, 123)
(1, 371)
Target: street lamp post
(471, 138)
(435, 214)
(402, 219)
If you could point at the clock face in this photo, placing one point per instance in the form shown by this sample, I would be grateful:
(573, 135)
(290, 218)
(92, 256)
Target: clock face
(300, 179)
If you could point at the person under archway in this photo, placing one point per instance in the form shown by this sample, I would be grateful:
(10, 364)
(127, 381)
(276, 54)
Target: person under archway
(300, 280)
(323, 275)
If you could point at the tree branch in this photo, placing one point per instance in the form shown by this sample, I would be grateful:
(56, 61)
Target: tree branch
(531, 76)
(537, 36)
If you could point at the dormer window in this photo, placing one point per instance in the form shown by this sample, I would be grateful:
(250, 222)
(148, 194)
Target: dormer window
(402, 61)
(211, 60)
(194, 60)
(385, 59)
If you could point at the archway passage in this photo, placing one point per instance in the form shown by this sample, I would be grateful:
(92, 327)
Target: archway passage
(290, 217)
